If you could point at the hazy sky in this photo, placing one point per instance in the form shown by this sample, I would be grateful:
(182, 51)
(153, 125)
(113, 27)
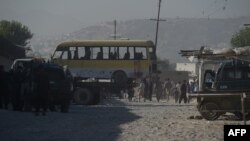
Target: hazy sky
(52, 17)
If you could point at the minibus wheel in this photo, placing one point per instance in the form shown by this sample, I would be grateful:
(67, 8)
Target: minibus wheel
(83, 96)
(120, 78)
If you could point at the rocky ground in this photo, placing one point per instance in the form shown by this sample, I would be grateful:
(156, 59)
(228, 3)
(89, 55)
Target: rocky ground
(115, 120)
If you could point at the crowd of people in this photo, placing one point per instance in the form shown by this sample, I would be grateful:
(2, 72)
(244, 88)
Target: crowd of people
(167, 89)
(21, 91)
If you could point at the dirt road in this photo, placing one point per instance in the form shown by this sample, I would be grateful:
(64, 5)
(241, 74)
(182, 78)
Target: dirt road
(114, 120)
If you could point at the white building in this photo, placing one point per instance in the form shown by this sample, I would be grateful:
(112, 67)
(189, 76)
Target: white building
(192, 68)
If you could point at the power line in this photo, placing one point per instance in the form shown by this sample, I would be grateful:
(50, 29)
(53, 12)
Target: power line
(115, 35)
(115, 30)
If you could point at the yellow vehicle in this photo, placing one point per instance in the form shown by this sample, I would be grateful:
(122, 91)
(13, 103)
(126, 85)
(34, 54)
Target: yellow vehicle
(121, 61)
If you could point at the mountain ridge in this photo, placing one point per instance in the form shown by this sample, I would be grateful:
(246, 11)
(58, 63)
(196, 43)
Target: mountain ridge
(174, 34)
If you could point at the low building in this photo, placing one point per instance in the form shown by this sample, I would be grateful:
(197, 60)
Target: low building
(191, 68)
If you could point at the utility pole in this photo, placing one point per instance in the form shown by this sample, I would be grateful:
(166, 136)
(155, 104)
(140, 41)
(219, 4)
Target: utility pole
(115, 30)
(115, 35)
(157, 26)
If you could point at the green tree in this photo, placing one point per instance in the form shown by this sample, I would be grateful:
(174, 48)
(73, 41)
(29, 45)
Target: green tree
(15, 32)
(241, 38)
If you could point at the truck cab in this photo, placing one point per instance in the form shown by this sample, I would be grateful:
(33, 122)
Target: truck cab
(224, 81)
(232, 75)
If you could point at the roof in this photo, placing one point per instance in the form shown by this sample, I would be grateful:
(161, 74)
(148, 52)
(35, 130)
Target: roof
(213, 54)
(96, 43)
(236, 62)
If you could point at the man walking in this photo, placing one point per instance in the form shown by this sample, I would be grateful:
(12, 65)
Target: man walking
(183, 92)
(159, 89)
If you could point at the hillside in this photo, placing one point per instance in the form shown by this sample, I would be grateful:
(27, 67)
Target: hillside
(174, 34)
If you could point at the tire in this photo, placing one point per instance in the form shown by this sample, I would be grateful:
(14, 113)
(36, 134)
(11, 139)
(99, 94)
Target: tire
(209, 115)
(83, 96)
(120, 78)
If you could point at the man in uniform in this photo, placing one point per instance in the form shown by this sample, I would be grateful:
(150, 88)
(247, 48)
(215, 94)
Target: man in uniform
(41, 92)
(4, 91)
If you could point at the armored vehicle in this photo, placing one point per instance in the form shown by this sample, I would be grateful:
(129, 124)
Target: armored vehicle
(60, 82)
(224, 81)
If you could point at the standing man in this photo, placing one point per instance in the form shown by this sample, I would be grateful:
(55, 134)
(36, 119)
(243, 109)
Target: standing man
(141, 89)
(18, 77)
(41, 93)
(183, 92)
(166, 88)
(178, 91)
(159, 89)
(150, 88)
(4, 89)
(146, 89)
(130, 94)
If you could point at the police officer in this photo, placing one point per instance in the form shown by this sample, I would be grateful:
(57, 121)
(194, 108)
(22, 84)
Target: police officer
(41, 90)
(18, 77)
(4, 91)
